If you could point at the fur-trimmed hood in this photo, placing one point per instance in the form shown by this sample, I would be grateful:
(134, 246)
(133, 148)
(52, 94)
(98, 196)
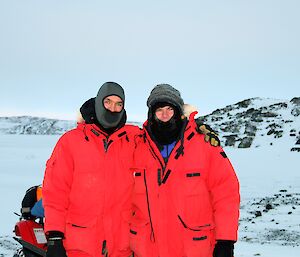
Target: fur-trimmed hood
(188, 109)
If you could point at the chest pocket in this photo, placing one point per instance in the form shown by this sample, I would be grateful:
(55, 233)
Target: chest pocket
(139, 182)
(194, 184)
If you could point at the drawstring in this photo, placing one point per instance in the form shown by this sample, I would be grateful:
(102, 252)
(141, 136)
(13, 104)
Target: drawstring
(152, 236)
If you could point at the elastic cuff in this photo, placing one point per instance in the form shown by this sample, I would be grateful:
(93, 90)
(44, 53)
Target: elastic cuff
(55, 235)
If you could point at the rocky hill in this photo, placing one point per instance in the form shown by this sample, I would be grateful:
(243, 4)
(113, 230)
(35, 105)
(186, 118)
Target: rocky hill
(256, 121)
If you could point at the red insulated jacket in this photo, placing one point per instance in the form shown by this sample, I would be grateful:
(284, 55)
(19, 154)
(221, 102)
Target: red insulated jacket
(182, 207)
(86, 189)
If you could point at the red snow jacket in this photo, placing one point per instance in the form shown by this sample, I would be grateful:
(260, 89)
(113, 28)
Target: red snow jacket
(87, 187)
(182, 207)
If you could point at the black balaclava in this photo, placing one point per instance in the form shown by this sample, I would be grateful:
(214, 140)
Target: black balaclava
(107, 119)
(165, 132)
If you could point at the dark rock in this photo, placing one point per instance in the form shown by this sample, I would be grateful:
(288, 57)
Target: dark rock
(279, 106)
(271, 131)
(295, 149)
(269, 114)
(250, 129)
(214, 118)
(230, 140)
(278, 134)
(244, 104)
(246, 142)
(295, 111)
(269, 206)
(258, 214)
(296, 100)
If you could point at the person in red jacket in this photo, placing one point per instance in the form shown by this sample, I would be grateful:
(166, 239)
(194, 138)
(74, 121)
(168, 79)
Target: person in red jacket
(186, 193)
(87, 183)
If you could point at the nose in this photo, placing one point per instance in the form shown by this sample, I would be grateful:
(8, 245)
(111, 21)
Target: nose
(165, 113)
(113, 107)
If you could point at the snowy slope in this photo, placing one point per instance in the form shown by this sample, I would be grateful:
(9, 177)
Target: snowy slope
(28, 125)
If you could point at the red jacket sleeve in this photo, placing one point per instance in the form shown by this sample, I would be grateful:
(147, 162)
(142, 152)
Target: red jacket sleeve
(224, 191)
(56, 186)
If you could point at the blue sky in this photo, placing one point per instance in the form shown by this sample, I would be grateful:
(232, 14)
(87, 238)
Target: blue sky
(56, 54)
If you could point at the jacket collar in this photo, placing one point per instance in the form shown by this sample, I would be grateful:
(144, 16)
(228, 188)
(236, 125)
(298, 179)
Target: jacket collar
(91, 130)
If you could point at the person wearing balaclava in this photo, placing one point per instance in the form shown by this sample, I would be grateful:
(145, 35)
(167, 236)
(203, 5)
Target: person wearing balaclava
(186, 193)
(87, 183)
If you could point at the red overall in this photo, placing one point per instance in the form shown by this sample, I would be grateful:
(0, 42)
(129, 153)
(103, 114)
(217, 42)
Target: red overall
(86, 190)
(182, 207)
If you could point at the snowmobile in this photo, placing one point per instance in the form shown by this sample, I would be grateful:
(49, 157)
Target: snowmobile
(29, 231)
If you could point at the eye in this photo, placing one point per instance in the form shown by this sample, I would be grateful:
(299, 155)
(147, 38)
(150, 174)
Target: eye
(120, 104)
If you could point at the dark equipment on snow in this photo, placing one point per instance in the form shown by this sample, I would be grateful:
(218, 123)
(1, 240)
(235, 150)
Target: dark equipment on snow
(29, 230)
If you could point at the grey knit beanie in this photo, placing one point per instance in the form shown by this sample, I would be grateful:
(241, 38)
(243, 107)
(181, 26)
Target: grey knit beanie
(165, 93)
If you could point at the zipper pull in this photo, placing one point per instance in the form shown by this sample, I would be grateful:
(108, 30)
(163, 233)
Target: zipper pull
(159, 176)
(105, 144)
(166, 176)
(104, 251)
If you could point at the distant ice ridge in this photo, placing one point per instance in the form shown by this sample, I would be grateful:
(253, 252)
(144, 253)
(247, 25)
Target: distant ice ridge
(28, 125)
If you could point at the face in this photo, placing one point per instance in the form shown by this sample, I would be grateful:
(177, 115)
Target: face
(164, 113)
(113, 103)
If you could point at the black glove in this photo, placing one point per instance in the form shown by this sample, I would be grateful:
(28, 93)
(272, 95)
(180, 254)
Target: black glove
(55, 244)
(224, 248)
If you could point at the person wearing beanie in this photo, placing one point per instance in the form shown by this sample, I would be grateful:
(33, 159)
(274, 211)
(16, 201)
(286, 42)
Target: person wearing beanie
(186, 193)
(87, 183)
(165, 117)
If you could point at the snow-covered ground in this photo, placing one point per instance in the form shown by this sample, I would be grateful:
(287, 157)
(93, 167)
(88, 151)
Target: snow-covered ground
(270, 192)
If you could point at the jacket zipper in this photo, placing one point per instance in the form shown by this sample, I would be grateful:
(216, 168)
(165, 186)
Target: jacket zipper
(106, 144)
